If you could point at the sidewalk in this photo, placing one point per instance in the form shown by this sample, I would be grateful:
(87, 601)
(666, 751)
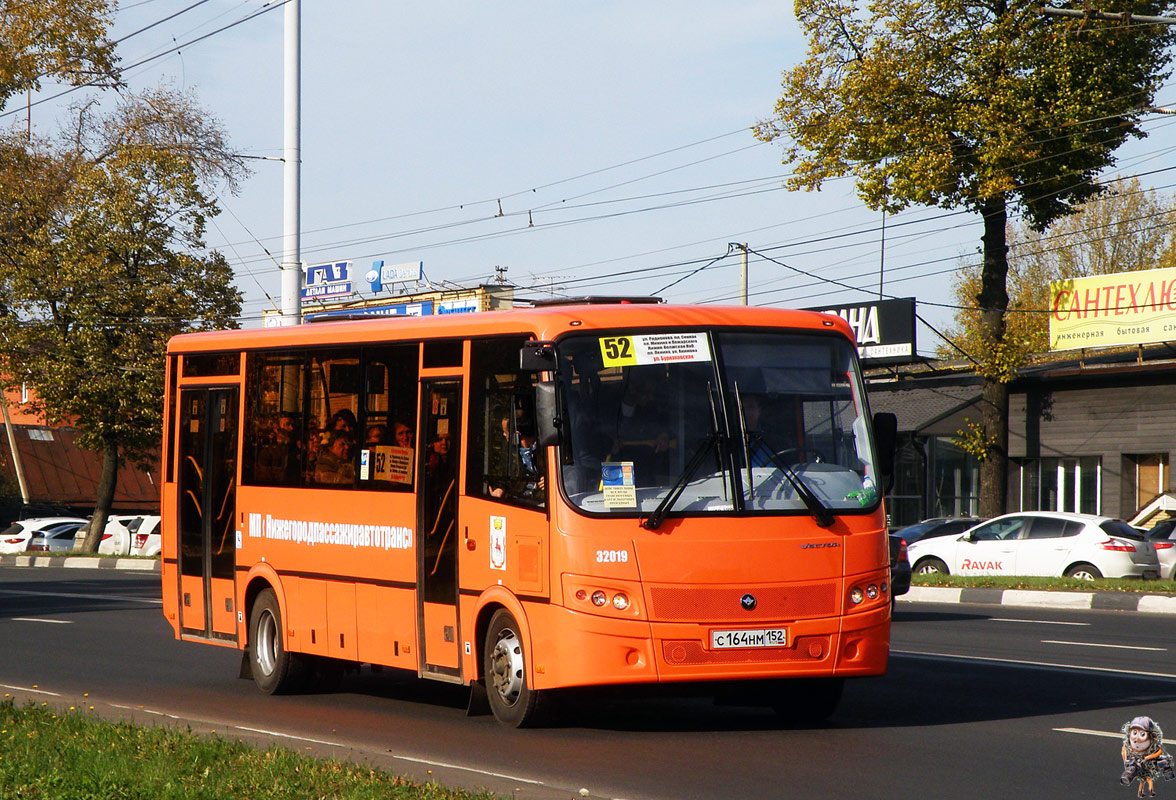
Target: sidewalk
(1023, 598)
(81, 562)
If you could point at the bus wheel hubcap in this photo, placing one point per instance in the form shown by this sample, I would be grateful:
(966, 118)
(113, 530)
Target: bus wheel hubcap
(266, 643)
(506, 666)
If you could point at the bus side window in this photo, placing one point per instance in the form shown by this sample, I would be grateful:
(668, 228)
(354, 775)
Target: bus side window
(505, 462)
(274, 450)
(389, 418)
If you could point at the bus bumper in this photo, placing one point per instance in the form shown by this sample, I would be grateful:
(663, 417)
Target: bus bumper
(585, 650)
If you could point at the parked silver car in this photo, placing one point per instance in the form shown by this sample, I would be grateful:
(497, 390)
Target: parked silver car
(45, 535)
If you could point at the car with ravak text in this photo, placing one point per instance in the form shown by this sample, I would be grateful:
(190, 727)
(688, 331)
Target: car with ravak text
(1043, 543)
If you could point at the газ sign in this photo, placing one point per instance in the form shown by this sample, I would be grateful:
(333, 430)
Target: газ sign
(1105, 310)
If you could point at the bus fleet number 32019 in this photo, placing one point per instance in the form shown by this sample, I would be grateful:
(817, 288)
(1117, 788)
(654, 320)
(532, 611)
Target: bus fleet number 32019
(768, 637)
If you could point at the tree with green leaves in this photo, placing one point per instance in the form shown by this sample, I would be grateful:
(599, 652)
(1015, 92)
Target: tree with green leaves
(988, 106)
(61, 39)
(102, 260)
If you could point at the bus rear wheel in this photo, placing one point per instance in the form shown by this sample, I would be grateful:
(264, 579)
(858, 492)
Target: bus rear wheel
(504, 668)
(275, 671)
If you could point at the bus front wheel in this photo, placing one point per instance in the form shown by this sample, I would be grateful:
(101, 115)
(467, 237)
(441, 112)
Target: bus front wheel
(275, 671)
(504, 669)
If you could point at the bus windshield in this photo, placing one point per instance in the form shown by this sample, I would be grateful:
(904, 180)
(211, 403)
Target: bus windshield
(703, 422)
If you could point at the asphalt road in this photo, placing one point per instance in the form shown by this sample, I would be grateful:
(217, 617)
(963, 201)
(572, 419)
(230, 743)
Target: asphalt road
(980, 702)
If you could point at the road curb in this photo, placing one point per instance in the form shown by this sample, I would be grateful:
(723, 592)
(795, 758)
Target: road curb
(1023, 598)
(81, 562)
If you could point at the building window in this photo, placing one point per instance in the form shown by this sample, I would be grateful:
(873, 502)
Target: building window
(956, 480)
(1062, 484)
(1148, 474)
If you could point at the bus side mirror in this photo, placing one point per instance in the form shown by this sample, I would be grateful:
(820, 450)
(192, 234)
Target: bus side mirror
(537, 357)
(548, 419)
(886, 439)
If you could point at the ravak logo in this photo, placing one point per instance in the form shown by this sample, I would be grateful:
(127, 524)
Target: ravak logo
(968, 563)
(818, 545)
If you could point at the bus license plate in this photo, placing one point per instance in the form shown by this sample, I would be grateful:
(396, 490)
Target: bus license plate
(766, 637)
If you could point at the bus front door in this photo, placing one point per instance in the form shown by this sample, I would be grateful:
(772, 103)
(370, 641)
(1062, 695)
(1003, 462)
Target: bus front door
(207, 551)
(437, 530)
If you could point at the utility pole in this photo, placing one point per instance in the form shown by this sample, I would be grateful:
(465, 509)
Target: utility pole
(292, 156)
(743, 274)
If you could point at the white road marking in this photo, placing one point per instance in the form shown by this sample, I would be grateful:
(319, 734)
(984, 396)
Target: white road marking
(1036, 621)
(1087, 732)
(1041, 664)
(123, 598)
(28, 689)
(1095, 644)
(36, 619)
(414, 759)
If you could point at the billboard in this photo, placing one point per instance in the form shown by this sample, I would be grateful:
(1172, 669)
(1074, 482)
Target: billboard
(884, 329)
(1106, 310)
(327, 280)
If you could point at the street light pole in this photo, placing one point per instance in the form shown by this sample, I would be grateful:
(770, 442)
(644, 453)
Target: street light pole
(292, 155)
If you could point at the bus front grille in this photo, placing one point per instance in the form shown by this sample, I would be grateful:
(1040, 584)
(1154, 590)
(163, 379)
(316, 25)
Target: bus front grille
(693, 604)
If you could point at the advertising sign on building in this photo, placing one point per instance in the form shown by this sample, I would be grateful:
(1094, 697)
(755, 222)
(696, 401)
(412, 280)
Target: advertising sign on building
(1107, 310)
(327, 280)
(423, 308)
(457, 306)
(884, 329)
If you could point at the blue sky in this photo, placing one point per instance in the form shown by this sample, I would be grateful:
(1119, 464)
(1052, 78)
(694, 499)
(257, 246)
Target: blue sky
(614, 134)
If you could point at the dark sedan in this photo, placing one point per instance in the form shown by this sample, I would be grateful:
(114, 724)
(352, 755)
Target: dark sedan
(900, 567)
(937, 526)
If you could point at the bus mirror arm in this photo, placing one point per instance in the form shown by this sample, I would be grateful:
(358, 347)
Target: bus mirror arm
(886, 439)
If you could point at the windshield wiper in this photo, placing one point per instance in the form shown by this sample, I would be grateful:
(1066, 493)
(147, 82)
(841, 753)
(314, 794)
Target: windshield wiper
(713, 439)
(818, 509)
(655, 519)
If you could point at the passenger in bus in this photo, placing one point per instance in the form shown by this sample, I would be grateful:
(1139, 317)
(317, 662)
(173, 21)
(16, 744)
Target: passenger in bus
(376, 434)
(334, 464)
(342, 420)
(641, 433)
(402, 435)
(280, 461)
(526, 481)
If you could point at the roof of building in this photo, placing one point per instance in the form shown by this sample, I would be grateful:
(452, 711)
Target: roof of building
(60, 472)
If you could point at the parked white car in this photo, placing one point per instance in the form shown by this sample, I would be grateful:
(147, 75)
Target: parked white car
(145, 539)
(15, 538)
(116, 536)
(1042, 543)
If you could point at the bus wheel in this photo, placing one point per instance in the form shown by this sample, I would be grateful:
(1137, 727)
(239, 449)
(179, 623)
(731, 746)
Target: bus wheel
(504, 668)
(275, 671)
(805, 702)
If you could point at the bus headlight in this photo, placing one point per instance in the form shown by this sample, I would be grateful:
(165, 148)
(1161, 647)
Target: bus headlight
(856, 596)
(603, 596)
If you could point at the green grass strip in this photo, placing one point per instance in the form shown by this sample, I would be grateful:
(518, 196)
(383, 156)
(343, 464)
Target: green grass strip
(1045, 584)
(74, 755)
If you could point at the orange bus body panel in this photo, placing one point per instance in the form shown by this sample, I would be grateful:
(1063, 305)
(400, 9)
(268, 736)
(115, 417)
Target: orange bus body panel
(684, 580)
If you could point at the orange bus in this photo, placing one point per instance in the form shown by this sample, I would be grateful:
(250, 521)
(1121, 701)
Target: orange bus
(577, 494)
